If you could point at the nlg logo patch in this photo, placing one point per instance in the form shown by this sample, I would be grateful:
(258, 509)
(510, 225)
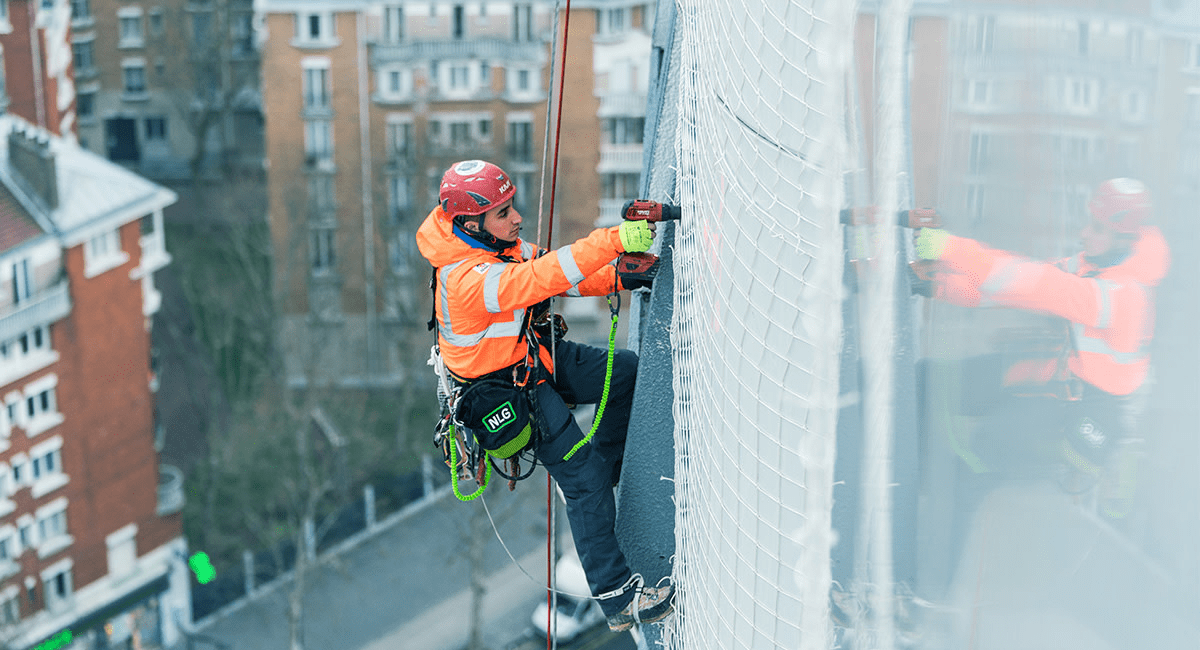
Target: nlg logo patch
(503, 416)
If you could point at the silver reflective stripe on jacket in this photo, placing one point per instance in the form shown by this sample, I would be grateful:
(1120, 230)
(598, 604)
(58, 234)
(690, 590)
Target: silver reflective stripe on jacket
(1002, 276)
(491, 287)
(566, 260)
(1097, 345)
(1104, 291)
(493, 331)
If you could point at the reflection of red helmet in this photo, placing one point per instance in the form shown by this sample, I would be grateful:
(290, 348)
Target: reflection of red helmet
(1122, 204)
(473, 187)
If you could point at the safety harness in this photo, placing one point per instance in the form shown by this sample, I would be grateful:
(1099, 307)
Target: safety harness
(466, 455)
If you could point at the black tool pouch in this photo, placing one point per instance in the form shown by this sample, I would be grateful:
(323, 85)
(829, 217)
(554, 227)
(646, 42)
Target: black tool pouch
(497, 413)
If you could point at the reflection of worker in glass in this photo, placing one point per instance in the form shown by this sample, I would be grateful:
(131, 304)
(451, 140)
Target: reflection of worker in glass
(1106, 295)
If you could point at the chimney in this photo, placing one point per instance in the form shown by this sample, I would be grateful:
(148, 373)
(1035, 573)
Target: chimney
(30, 156)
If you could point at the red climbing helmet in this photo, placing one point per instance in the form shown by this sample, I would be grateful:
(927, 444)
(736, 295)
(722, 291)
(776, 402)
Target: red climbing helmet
(473, 187)
(1122, 204)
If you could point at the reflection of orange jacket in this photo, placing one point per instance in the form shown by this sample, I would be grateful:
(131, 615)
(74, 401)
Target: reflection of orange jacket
(1110, 309)
(481, 299)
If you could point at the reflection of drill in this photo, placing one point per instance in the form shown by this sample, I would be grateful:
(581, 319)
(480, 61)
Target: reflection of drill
(637, 270)
(923, 271)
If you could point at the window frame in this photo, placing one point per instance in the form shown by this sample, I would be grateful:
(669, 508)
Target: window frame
(136, 37)
(103, 252)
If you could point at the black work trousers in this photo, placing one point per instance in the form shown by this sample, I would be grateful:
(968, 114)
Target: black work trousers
(588, 475)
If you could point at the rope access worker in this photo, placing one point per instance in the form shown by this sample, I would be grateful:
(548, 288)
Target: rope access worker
(490, 286)
(1105, 294)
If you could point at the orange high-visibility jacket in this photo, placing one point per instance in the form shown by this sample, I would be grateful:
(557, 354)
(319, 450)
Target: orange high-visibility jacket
(480, 299)
(1110, 310)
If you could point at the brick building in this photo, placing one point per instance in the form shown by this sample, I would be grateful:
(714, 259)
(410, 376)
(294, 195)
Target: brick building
(90, 534)
(368, 104)
(157, 77)
(35, 64)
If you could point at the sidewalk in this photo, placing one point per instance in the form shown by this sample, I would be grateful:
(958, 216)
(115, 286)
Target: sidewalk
(406, 585)
(507, 610)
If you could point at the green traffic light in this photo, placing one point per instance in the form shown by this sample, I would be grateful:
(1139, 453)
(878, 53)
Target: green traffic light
(202, 567)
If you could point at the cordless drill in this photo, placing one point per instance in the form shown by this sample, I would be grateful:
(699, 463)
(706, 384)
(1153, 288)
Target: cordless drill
(642, 265)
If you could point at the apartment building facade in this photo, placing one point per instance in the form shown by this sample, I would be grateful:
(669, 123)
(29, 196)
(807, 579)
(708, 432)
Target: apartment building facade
(165, 83)
(91, 546)
(369, 103)
(1044, 103)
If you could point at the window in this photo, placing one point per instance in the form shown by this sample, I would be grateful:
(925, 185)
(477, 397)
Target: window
(58, 587)
(315, 29)
(399, 197)
(1133, 45)
(84, 59)
(980, 33)
(241, 30)
(1133, 105)
(156, 21)
(485, 130)
(1081, 95)
(201, 28)
(85, 104)
(22, 282)
(103, 252)
(4, 11)
(25, 531)
(21, 354)
(40, 404)
(81, 10)
(316, 85)
(520, 141)
(624, 130)
(460, 134)
(485, 74)
(318, 140)
(977, 156)
(131, 30)
(1083, 38)
(47, 464)
(52, 526)
(619, 186)
(523, 22)
(122, 550)
(134, 77)
(459, 78)
(156, 128)
(395, 83)
(977, 93)
(1193, 108)
(399, 140)
(975, 202)
(321, 249)
(1193, 61)
(393, 24)
(458, 27)
(10, 610)
(320, 193)
(611, 22)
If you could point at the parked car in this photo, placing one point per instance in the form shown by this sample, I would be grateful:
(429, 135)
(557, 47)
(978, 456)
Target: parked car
(573, 614)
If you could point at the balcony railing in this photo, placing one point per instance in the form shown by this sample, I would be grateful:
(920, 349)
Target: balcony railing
(610, 212)
(617, 158)
(43, 307)
(622, 105)
(170, 490)
(484, 49)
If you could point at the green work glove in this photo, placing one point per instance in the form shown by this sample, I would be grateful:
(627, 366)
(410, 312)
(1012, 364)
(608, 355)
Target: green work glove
(931, 243)
(636, 236)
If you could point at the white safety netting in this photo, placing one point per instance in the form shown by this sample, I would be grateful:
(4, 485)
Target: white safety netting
(757, 322)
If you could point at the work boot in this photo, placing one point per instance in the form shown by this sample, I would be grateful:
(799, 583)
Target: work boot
(649, 605)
